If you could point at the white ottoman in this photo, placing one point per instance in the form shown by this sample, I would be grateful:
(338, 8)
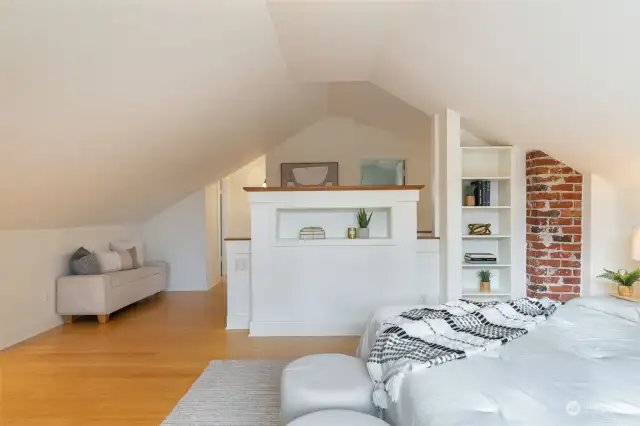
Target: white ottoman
(337, 418)
(326, 381)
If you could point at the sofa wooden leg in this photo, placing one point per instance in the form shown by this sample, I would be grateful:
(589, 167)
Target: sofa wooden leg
(68, 319)
(103, 319)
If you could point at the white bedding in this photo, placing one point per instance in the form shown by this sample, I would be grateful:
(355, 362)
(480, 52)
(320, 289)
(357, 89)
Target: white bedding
(580, 367)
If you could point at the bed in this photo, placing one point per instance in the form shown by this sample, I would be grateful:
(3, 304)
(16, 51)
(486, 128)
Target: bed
(580, 367)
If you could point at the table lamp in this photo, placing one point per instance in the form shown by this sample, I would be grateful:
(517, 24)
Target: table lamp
(635, 245)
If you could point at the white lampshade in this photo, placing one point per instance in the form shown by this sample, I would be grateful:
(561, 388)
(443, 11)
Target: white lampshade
(635, 244)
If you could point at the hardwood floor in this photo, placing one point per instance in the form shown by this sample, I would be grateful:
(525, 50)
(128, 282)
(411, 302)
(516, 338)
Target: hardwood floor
(135, 368)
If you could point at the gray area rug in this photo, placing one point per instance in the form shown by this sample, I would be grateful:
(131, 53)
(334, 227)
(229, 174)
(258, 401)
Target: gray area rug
(232, 393)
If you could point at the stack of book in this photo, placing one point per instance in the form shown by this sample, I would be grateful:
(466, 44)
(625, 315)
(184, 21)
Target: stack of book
(312, 233)
(480, 258)
(482, 192)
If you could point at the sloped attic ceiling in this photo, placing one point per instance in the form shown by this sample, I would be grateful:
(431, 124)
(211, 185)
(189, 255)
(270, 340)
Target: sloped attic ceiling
(111, 111)
(370, 105)
(557, 75)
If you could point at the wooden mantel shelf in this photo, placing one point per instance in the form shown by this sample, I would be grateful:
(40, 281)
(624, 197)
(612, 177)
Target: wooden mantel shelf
(331, 188)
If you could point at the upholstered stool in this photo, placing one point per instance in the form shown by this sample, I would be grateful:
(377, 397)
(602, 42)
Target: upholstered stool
(326, 381)
(337, 418)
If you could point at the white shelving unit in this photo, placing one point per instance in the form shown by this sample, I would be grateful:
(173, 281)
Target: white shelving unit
(464, 158)
(498, 165)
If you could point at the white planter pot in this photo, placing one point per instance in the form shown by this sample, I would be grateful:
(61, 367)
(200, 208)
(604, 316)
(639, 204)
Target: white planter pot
(363, 233)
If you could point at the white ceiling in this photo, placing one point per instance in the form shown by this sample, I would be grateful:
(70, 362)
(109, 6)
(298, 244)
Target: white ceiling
(111, 111)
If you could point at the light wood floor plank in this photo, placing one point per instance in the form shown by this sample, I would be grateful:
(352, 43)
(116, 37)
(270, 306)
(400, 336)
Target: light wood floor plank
(135, 368)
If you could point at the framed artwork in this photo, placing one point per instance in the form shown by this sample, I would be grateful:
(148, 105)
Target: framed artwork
(309, 174)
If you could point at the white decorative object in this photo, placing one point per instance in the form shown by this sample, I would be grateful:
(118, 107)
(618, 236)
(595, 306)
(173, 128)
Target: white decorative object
(362, 233)
(310, 176)
(326, 381)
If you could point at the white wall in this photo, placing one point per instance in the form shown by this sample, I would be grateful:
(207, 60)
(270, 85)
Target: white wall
(347, 142)
(179, 236)
(236, 199)
(30, 262)
(212, 224)
(329, 287)
(610, 216)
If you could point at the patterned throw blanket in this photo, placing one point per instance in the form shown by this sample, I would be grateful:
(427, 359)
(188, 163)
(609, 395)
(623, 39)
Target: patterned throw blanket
(425, 337)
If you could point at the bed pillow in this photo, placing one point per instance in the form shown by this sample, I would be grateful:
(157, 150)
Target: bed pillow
(110, 261)
(127, 245)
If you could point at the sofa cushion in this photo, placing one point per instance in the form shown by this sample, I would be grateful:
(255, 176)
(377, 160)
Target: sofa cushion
(132, 275)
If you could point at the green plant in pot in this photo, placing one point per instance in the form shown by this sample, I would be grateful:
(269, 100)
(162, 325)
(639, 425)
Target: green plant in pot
(470, 195)
(624, 279)
(363, 223)
(485, 276)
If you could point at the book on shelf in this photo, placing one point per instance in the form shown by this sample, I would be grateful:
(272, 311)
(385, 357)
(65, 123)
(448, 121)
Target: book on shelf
(480, 258)
(312, 233)
(482, 192)
(486, 187)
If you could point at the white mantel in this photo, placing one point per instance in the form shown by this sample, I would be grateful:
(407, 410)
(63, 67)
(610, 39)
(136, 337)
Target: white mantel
(328, 287)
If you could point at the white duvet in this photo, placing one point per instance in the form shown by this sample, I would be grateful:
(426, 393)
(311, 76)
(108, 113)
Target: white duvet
(580, 367)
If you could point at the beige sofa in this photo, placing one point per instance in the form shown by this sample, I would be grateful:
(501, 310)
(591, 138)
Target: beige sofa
(104, 294)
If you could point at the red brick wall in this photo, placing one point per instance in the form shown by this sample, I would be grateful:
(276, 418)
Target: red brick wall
(554, 228)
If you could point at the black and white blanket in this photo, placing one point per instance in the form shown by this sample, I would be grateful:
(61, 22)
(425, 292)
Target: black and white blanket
(425, 337)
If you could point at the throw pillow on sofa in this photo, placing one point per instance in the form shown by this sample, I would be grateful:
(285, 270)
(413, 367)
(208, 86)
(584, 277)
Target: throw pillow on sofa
(83, 262)
(80, 253)
(121, 260)
(134, 257)
(127, 245)
(110, 261)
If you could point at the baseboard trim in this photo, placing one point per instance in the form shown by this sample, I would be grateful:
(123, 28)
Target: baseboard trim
(271, 328)
(24, 332)
(238, 322)
(220, 280)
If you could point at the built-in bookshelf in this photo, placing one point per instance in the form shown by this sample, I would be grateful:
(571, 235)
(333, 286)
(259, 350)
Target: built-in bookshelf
(495, 165)
(466, 158)
(334, 222)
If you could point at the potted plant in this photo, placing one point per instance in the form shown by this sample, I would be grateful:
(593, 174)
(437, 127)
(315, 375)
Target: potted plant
(363, 223)
(485, 276)
(624, 279)
(470, 195)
